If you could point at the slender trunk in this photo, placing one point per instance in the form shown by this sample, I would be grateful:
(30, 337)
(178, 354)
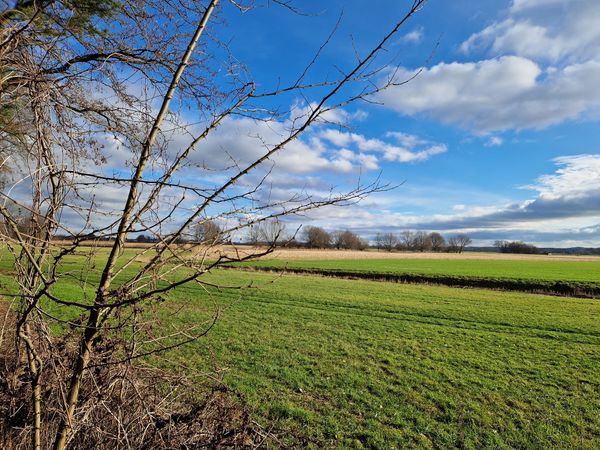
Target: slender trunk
(37, 411)
(35, 370)
(82, 361)
(92, 327)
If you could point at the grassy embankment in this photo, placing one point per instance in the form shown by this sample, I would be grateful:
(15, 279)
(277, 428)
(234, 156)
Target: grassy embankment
(576, 278)
(352, 363)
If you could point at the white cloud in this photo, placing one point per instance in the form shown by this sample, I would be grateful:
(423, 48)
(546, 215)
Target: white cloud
(412, 37)
(241, 141)
(410, 149)
(509, 92)
(520, 5)
(393, 153)
(366, 161)
(544, 30)
(542, 70)
(577, 177)
(494, 141)
(407, 140)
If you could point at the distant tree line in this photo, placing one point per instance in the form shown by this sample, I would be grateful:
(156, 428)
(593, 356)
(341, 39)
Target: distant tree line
(273, 232)
(516, 247)
(421, 241)
(317, 237)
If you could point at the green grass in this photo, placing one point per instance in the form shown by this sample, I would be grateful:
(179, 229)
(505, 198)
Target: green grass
(350, 363)
(340, 363)
(560, 270)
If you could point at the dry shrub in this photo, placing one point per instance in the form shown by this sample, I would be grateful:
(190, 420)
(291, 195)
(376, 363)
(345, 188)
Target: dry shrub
(122, 405)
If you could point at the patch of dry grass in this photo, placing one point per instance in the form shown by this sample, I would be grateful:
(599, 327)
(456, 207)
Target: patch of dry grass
(299, 254)
(330, 254)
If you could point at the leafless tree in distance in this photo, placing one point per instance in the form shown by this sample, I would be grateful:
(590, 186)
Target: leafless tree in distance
(438, 243)
(459, 242)
(421, 241)
(316, 237)
(389, 241)
(348, 240)
(208, 232)
(406, 240)
(270, 232)
(379, 241)
(94, 125)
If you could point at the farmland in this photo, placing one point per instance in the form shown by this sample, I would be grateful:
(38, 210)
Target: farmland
(327, 362)
(555, 276)
(355, 363)
(491, 267)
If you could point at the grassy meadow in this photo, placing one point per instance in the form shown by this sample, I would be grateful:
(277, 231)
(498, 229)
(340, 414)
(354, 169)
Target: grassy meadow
(346, 363)
(567, 277)
(336, 363)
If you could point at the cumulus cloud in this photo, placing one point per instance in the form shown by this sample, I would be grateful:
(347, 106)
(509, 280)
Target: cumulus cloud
(542, 70)
(412, 37)
(239, 141)
(404, 148)
(577, 177)
(531, 30)
(509, 92)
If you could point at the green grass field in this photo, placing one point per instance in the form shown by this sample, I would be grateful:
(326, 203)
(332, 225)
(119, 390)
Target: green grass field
(340, 363)
(560, 270)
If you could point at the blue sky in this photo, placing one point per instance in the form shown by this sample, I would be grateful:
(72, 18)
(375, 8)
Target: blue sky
(497, 136)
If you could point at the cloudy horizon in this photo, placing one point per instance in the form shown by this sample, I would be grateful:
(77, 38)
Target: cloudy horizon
(494, 136)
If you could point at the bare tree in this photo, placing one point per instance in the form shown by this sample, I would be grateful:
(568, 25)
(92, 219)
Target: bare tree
(458, 243)
(421, 241)
(348, 240)
(208, 232)
(389, 241)
(406, 241)
(81, 84)
(316, 237)
(270, 232)
(254, 235)
(501, 245)
(336, 239)
(379, 241)
(438, 243)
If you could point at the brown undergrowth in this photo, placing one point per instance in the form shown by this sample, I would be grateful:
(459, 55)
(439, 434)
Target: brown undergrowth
(123, 405)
